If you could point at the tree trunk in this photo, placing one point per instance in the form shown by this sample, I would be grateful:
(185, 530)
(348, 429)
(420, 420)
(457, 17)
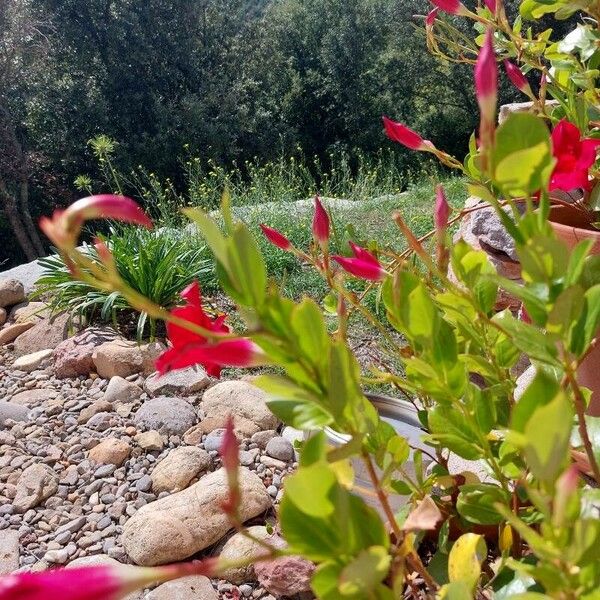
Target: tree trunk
(12, 214)
(26, 217)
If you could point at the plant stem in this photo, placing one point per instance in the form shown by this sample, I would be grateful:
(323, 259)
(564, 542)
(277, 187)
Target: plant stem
(414, 560)
(579, 402)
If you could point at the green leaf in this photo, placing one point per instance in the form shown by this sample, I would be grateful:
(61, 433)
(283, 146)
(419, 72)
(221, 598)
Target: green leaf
(450, 429)
(522, 155)
(465, 559)
(211, 233)
(365, 572)
(300, 415)
(538, 393)
(309, 328)
(311, 487)
(475, 503)
(546, 438)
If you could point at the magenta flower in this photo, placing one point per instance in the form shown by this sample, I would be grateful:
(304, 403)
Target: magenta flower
(101, 582)
(574, 158)
(454, 7)
(517, 78)
(431, 17)
(320, 224)
(65, 225)
(442, 210)
(276, 238)
(364, 265)
(491, 4)
(486, 87)
(397, 132)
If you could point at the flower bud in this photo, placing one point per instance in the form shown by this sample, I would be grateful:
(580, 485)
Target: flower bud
(229, 451)
(442, 210)
(431, 17)
(397, 132)
(276, 238)
(454, 7)
(517, 78)
(364, 265)
(320, 224)
(491, 4)
(486, 86)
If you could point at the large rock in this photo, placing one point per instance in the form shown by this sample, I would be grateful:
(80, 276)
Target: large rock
(27, 274)
(9, 551)
(37, 482)
(29, 311)
(181, 382)
(33, 361)
(125, 358)
(121, 390)
(285, 576)
(46, 334)
(180, 525)
(16, 412)
(34, 397)
(3, 316)
(244, 401)
(171, 416)
(196, 587)
(180, 466)
(73, 357)
(11, 292)
(11, 332)
(238, 548)
(111, 451)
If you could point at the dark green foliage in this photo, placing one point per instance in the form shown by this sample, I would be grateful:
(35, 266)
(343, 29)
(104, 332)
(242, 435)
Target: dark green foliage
(157, 264)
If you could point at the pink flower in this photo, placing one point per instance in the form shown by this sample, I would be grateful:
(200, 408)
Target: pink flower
(276, 238)
(364, 265)
(65, 225)
(397, 132)
(486, 86)
(442, 210)
(191, 348)
(454, 7)
(431, 17)
(320, 224)
(516, 76)
(574, 158)
(491, 4)
(95, 583)
(230, 457)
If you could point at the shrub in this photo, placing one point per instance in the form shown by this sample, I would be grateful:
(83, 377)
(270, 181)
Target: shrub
(157, 264)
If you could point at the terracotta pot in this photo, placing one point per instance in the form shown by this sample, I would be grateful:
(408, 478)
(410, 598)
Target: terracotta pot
(571, 226)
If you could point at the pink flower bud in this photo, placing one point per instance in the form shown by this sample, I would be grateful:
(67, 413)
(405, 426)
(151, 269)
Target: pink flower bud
(491, 4)
(276, 238)
(364, 265)
(442, 210)
(517, 78)
(104, 254)
(454, 7)
(486, 86)
(320, 224)
(397, 132)
(230, 451)
(431, 17)
(95, 583)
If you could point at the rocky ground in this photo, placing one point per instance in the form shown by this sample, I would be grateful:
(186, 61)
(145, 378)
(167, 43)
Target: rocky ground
(101, 460)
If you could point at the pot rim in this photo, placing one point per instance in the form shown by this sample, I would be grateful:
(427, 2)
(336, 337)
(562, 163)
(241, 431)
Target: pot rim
(579, 232)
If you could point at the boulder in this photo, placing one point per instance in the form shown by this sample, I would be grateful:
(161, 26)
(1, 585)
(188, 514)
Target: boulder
(125, 358)
(121, 390)
(180, 466)
(11, 292)
(14, 412)
(195, 587)
(9, 551)
(27, 274)
(244, 401)
(169, 416)
(180, 382)
(3, 316)
(11, 332)
(33, 361)
(237, 548)
(29, 311)
(45, 334)
(178, 526)
(73, 356)
(111, 451)
(36, 483)
(34, 397)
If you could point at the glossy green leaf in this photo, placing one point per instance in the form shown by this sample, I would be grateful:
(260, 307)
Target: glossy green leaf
(465, 558)
(475, 503)
(365, 572)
